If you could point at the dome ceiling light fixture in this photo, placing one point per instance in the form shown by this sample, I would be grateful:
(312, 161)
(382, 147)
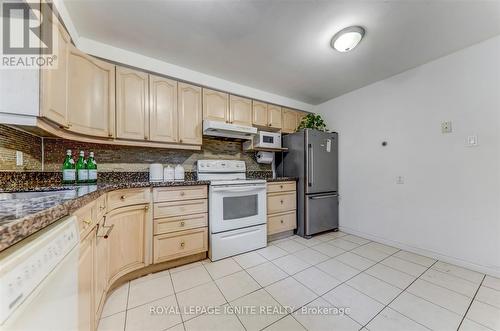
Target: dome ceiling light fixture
(346, 39)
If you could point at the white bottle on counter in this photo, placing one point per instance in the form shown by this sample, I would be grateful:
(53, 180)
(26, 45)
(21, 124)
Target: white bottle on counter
(168, 173)
(179, 172)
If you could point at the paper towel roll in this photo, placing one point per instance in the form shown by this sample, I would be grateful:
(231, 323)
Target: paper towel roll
(265, 157)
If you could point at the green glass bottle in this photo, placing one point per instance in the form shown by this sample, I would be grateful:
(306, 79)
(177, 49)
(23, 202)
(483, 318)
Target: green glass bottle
(68, 169)
(92, 168)
(82, 174)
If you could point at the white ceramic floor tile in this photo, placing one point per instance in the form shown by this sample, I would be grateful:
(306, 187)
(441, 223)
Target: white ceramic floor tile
(250, 259)
(329, 250)
(186, 279)
(204, 296)
(166, 316)
(390, 275)
(472, 276)
(489, 296)
(374, 288)
(355, 261)
(266, 273)
(391, 320)
(287, 323)
(290, 293)
(370, 253)
(274, 242)
(404, 266)
(178, 327)
(272, 252)
(324, 237)
(222, 268)
(253, 310)
(116, 302)
(383, 248)
(441, 296)
(415, 258)
(311, 256)
(291, 264)
(362, 308)
(214, 322)
(344, 244)
(307, 242)
(313, 321)
(426, 313)
(492, 282)
(149, 289)
(468, 325)
(186, 267)
(484, 314)
(337, 269)
(356, 239)
(316, 280)
(236, 285)
(450, 282)
(290, 246)
(114, 322)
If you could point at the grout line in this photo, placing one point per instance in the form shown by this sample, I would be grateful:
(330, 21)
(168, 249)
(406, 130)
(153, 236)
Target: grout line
(126, 307)
(471, 302)
(176, 300)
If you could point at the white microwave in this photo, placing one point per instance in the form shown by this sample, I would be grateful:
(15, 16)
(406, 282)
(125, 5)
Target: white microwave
(267, 139)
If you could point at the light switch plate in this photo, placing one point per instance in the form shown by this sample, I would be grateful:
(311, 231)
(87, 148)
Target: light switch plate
(446, 127)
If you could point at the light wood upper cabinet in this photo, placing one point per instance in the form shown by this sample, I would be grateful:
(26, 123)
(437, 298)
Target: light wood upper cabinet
(91, 95)
(54, 81)
(274, 116)
(240, 110)
(300, 116)
(132, 104)
(163, 122)
(85, 284)
(190, 114)
(259, 113)
(289, 120)
(126, 240)
(215, 105)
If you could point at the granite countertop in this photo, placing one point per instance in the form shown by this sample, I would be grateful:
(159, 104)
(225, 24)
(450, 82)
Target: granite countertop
(282, 179)
(21, 217)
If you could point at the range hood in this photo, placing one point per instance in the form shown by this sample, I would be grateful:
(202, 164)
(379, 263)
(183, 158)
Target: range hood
(221, 129)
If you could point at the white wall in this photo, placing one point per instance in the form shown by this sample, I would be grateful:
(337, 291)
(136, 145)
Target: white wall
(449, 204)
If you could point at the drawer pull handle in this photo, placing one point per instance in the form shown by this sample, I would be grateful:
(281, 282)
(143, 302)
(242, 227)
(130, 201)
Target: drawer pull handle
(87, 222)
(183, 244)
(110, 228)
(182, 193)
(182, 223)
(281, 221)
(101, 207)
(122, 197)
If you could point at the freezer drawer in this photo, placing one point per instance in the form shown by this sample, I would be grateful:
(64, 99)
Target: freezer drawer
(322, 213)
(238, 241)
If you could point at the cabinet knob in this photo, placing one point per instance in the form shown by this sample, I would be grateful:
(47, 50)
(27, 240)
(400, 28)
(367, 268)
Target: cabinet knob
(145, 137)
(122, 197)
(281, 186)
(87, 222)
(183, 244)
(281, 221)
(180, 140)
(146, 208)
(182, 193)
(281, 201)
(110, 134)
(182, 223)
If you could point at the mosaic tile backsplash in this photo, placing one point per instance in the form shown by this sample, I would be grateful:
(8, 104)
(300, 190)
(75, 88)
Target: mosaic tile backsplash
(47, 154)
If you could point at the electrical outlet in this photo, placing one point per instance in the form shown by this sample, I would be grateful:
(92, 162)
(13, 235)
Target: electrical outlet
(446, 127)
(400, 180)
(19, 158)
(472, 141)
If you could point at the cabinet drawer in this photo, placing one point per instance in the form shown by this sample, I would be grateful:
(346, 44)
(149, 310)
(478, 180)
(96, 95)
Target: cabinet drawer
(280, 187)
(173, 224)
(178, 244)
(100, 206)
(179, 208)
(280, 202)
(277, 223)
(162, 194)
(127, 197)
(86, 217)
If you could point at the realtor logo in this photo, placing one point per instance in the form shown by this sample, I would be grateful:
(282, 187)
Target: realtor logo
(27, 35)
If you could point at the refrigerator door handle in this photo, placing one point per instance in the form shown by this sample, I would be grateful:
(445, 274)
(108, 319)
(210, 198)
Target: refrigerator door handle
(324, 196)
(310, 165)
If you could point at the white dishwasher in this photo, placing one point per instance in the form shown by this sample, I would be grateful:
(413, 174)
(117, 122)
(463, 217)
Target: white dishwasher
(39, 281)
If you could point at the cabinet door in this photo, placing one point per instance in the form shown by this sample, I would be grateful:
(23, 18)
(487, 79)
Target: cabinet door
(163, 122)
(240, 110)
(85, 284)
(300, 116)
(100, 267)
(53, 86)
(215, 105)
(126, 240)
(132, 104)
(190, 114)
(91, 95)
(274, 116)
(289, 120)
(259, 112)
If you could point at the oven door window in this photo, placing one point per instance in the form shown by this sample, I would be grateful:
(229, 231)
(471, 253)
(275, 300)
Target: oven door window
(240, 207)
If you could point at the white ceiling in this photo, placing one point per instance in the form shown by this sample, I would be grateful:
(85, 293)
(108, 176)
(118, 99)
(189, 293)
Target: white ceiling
(283, 46)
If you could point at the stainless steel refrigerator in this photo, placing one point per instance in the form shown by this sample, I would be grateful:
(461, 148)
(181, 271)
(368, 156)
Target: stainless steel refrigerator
(312, 157)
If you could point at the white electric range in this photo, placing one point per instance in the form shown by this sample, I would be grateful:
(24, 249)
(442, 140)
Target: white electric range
(237, 208)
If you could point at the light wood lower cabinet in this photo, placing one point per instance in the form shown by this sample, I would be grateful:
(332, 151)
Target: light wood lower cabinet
(128, 197)
(178, 244)
(101, 274)
(86, 305)
(281, 207)
(126, 240)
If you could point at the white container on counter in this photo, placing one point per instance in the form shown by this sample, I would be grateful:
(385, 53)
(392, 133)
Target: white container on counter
(155, 172)
(179, 172)
(168, 174)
